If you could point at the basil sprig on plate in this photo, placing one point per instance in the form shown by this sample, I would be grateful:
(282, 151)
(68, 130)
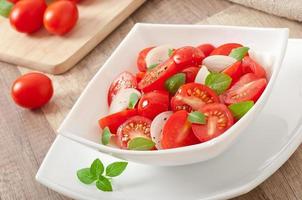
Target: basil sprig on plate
(219, 82)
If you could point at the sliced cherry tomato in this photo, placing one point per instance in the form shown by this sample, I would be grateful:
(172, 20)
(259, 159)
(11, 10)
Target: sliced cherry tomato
(187, 56)
(136, 126)
(191, 73)
(246, 78)
(27, 15)
(177, 131)
(141, 63)
(155, 78)
(153, 103)
(244, 92)
(122, 81)
(140, 76)
(225, 49)
(251, 66)
(32, 90)
(234, 71)
(218, 120)
(206, 49)
(192, 96)
(115, 120)
(13, 1)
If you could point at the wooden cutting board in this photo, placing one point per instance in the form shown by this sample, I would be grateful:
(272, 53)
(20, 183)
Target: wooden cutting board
(56, 54)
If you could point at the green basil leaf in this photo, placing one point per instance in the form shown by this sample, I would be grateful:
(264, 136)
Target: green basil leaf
(239, 53)
(240, 109)
(106, 135)
(219, 82)
(196, 118)
(104, 184)
(170, 52)
(133, 100)
(5, 8)
(140, 144)
(97, 168)
(174, 82)
(152, 66)
(115, 169)
(85, 176)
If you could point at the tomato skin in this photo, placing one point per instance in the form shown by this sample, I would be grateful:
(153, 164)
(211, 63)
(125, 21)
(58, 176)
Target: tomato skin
(177, 131)
(32, 90)
(140, 76)
(206, 49)
(191, 73)
(246, 78)
(122, 81)
(192, 96)
(234, 71)
(60, 17)
(13, 1)
(27, 15)
(153, 103)
(187, 56)
(141, 63)
(213, 127)
(251, 66)
(225, 49)
(113, 121)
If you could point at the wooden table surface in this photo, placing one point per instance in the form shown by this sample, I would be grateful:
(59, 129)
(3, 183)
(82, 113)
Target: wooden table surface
(25, 136)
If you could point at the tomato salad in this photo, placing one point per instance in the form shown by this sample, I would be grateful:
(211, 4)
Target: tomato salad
(181, 97)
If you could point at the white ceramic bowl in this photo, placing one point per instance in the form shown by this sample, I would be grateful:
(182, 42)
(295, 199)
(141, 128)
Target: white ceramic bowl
(81, 124)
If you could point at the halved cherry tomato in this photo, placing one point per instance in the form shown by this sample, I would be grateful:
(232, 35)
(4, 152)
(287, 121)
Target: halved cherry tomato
(153, 103)
(155, 78)
(246, 78)
(177, 131)
(206, 49)
(187, 56)
(115, 120)
(251, 66)
(218, 120)
(140, 76)
(136, 126)
(244, 92)
(13, 1)
(192, 96)
(234, 71)
(191, 73)
(122, 81)
(225, 49)
(141, 63)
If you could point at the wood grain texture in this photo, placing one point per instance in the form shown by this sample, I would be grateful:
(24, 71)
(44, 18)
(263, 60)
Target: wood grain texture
(37, 127)
(56, 54)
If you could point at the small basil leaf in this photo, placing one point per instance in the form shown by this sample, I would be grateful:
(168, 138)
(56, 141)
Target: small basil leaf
(104, 184)
(239, 53)
(115, 169)
(85, 176)
(97, 168)
(170, 52)
(219, 82)
(5, 8)
(152, 66)
(174, 82)
(133, 100)
(196, 118)
(140, 144)
(106, 135)
(240, 109)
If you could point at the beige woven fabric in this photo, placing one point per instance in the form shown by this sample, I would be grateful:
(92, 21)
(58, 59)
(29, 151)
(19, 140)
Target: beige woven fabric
(291, 9)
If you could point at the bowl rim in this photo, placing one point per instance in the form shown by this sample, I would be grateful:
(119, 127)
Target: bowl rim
(200, 146)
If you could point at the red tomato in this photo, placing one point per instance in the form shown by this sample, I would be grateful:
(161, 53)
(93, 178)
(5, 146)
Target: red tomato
(249, 65)
(140, 76)
(153, 103)
(246, 78)
(27, 15)
(13, 1)
(177, 131)
(113, 121)
(234, 71)
(136, 126)
(191, 73)
(187, 56)
(192, 96)
(32, 90)
(225, 49)
(244, 92)
(206, 49)
(141, 63)
(60, 17)
(155, 78)
(218, 118)
(122, 81)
